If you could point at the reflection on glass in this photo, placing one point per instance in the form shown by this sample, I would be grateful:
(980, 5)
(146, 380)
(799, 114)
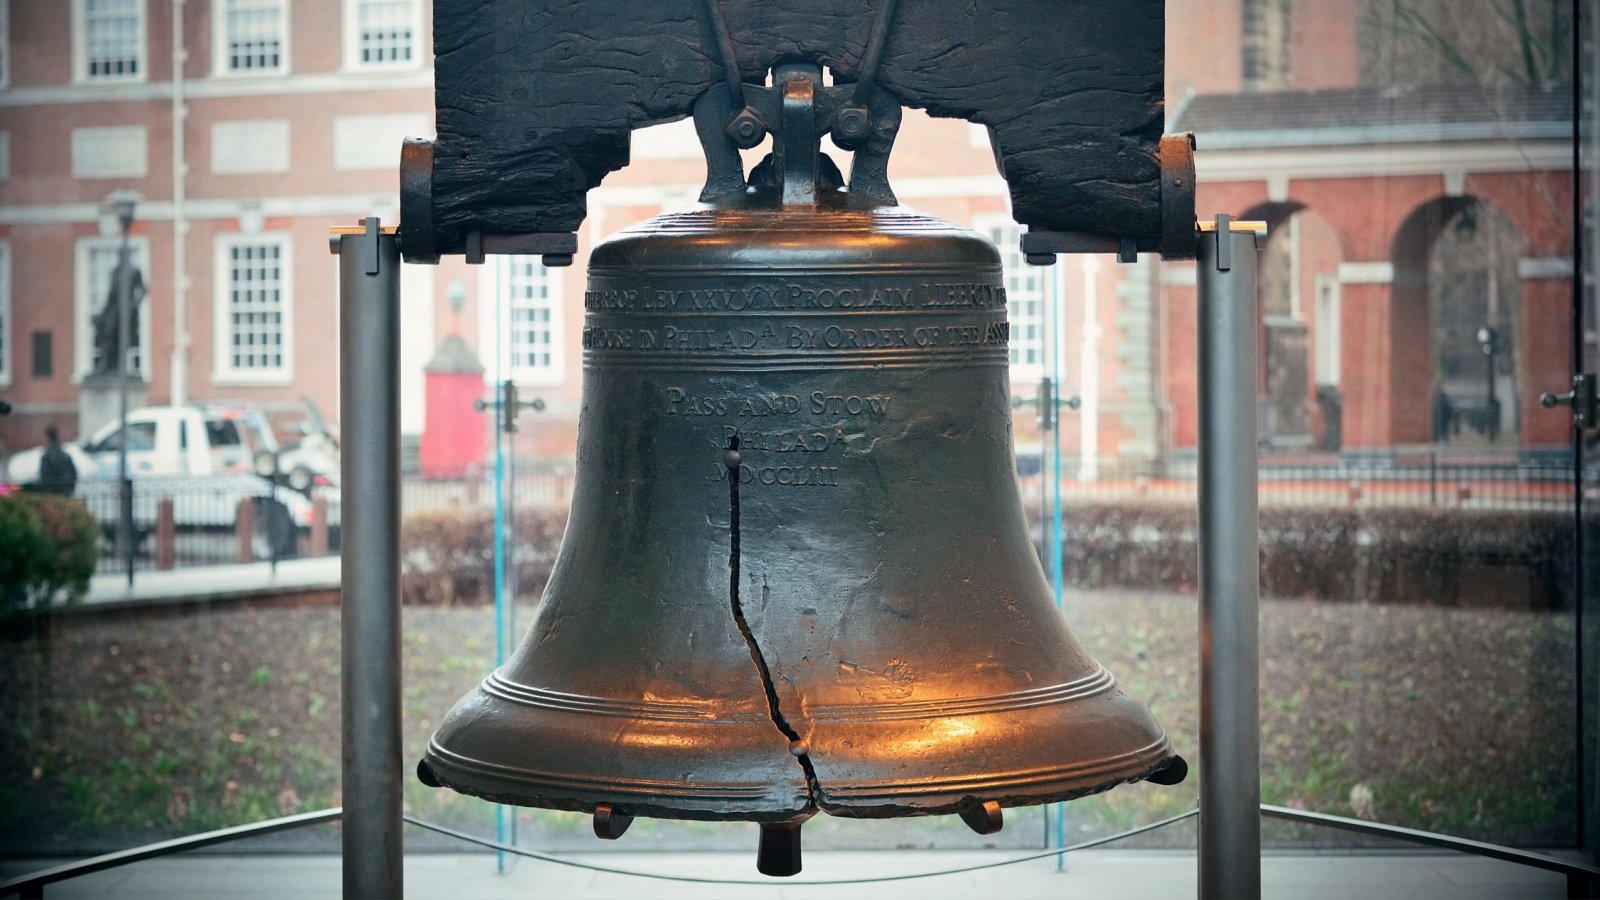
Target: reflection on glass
(1413, 161)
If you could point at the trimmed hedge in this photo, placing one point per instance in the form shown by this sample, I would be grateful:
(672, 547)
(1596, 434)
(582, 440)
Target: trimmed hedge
(447, 557)
(1438, 556)
(1519, 559)
(49, 546)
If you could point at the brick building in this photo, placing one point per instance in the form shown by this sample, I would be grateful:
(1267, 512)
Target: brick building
(286, 118)
(288, 114)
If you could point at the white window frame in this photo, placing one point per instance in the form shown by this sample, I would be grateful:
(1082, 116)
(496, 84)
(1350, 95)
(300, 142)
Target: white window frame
(1325, 336)
(88, 298)
(223, 371)
(8, 327)
(5, 44)
(352, 41)
(1006, 234)
(80, 50)
(221, 57)
(495, 320)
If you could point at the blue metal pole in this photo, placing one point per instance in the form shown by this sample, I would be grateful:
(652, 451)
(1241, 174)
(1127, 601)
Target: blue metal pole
(501, 811)
(1054, 299)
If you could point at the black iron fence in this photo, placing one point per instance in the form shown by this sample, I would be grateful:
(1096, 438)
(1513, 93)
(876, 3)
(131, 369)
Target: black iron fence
(200, 521)
(230, 519)
(534, 490)
(1419, 480)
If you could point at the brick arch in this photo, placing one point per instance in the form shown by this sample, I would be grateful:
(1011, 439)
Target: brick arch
(1292, 373)
(1536, 315)
(1378, 220)
(1541, 306)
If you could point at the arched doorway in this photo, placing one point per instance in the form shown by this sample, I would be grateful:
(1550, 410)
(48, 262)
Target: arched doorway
(1300, 333)
(1456, 264)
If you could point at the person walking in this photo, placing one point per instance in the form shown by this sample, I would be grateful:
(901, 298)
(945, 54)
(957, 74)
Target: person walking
(57, 473)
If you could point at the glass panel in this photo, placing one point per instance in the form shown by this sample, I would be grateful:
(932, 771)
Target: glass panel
(1418, 646)
(1419, 628)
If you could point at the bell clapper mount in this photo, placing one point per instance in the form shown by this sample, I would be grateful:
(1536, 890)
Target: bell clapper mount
(986, 818)
(609, 822)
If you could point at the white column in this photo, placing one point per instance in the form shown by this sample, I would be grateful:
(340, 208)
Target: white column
(1089, 373)
(179, 371)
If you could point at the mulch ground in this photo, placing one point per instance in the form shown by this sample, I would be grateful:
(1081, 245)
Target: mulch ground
(123, 729)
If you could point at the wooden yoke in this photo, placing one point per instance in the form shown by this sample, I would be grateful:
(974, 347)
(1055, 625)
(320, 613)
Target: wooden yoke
(536, 100)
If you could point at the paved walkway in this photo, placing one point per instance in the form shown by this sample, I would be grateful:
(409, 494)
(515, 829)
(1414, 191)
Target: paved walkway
(1110, 874)
(187, 585)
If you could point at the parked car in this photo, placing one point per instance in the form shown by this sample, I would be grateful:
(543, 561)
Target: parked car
(163, 440)
(203, 459)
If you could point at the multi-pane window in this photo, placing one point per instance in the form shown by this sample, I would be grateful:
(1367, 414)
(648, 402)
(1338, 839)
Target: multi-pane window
(382, 32)
(5, 43)
(111, 39)
(1266, 39)
(530, 314)
(1024, 296)
(251, 38)
(253, 306)
(95, 304)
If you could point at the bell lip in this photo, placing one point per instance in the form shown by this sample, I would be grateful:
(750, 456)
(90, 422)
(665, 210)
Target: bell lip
(943, 804)
(1032, 789)
(479, 779)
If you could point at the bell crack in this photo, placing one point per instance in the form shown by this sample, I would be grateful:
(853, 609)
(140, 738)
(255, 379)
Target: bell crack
(797, 745)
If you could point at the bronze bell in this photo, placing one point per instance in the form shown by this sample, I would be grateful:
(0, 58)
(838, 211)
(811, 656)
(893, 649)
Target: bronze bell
(796, 575)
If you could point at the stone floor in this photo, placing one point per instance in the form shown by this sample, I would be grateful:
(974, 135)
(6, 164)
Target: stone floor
(1146, 875)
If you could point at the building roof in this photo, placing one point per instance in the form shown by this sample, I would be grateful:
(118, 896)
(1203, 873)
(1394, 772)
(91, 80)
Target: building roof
(1371, 115)
(454, 355)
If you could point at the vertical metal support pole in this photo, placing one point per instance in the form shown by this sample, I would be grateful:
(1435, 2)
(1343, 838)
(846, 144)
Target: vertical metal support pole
(1230, 752)
(369, 388)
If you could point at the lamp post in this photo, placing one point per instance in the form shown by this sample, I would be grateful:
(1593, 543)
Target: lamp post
(122, 203)
(1488, 340)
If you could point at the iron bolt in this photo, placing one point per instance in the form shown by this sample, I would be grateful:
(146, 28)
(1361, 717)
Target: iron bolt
(746, 129)
(850, 126)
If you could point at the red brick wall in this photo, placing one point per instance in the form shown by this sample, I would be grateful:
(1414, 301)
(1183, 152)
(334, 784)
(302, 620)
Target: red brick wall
(1323, 35)
(1364, 367)
(1546, 360)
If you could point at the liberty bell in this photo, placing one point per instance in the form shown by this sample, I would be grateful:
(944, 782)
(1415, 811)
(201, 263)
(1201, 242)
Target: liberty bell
(797, 576)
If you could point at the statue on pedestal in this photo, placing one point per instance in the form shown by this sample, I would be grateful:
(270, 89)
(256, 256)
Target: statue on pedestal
(107, 322)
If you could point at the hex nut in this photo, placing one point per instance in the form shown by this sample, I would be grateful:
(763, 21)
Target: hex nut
(851, 126)
(746, 129)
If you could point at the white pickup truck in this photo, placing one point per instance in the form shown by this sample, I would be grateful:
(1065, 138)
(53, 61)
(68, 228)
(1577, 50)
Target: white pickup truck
(204, 459)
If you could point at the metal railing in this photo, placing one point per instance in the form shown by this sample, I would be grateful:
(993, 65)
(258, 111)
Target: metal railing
(210, 526)
(1429, 481)
(213, 521)
(1581, 878)
(531, 491)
